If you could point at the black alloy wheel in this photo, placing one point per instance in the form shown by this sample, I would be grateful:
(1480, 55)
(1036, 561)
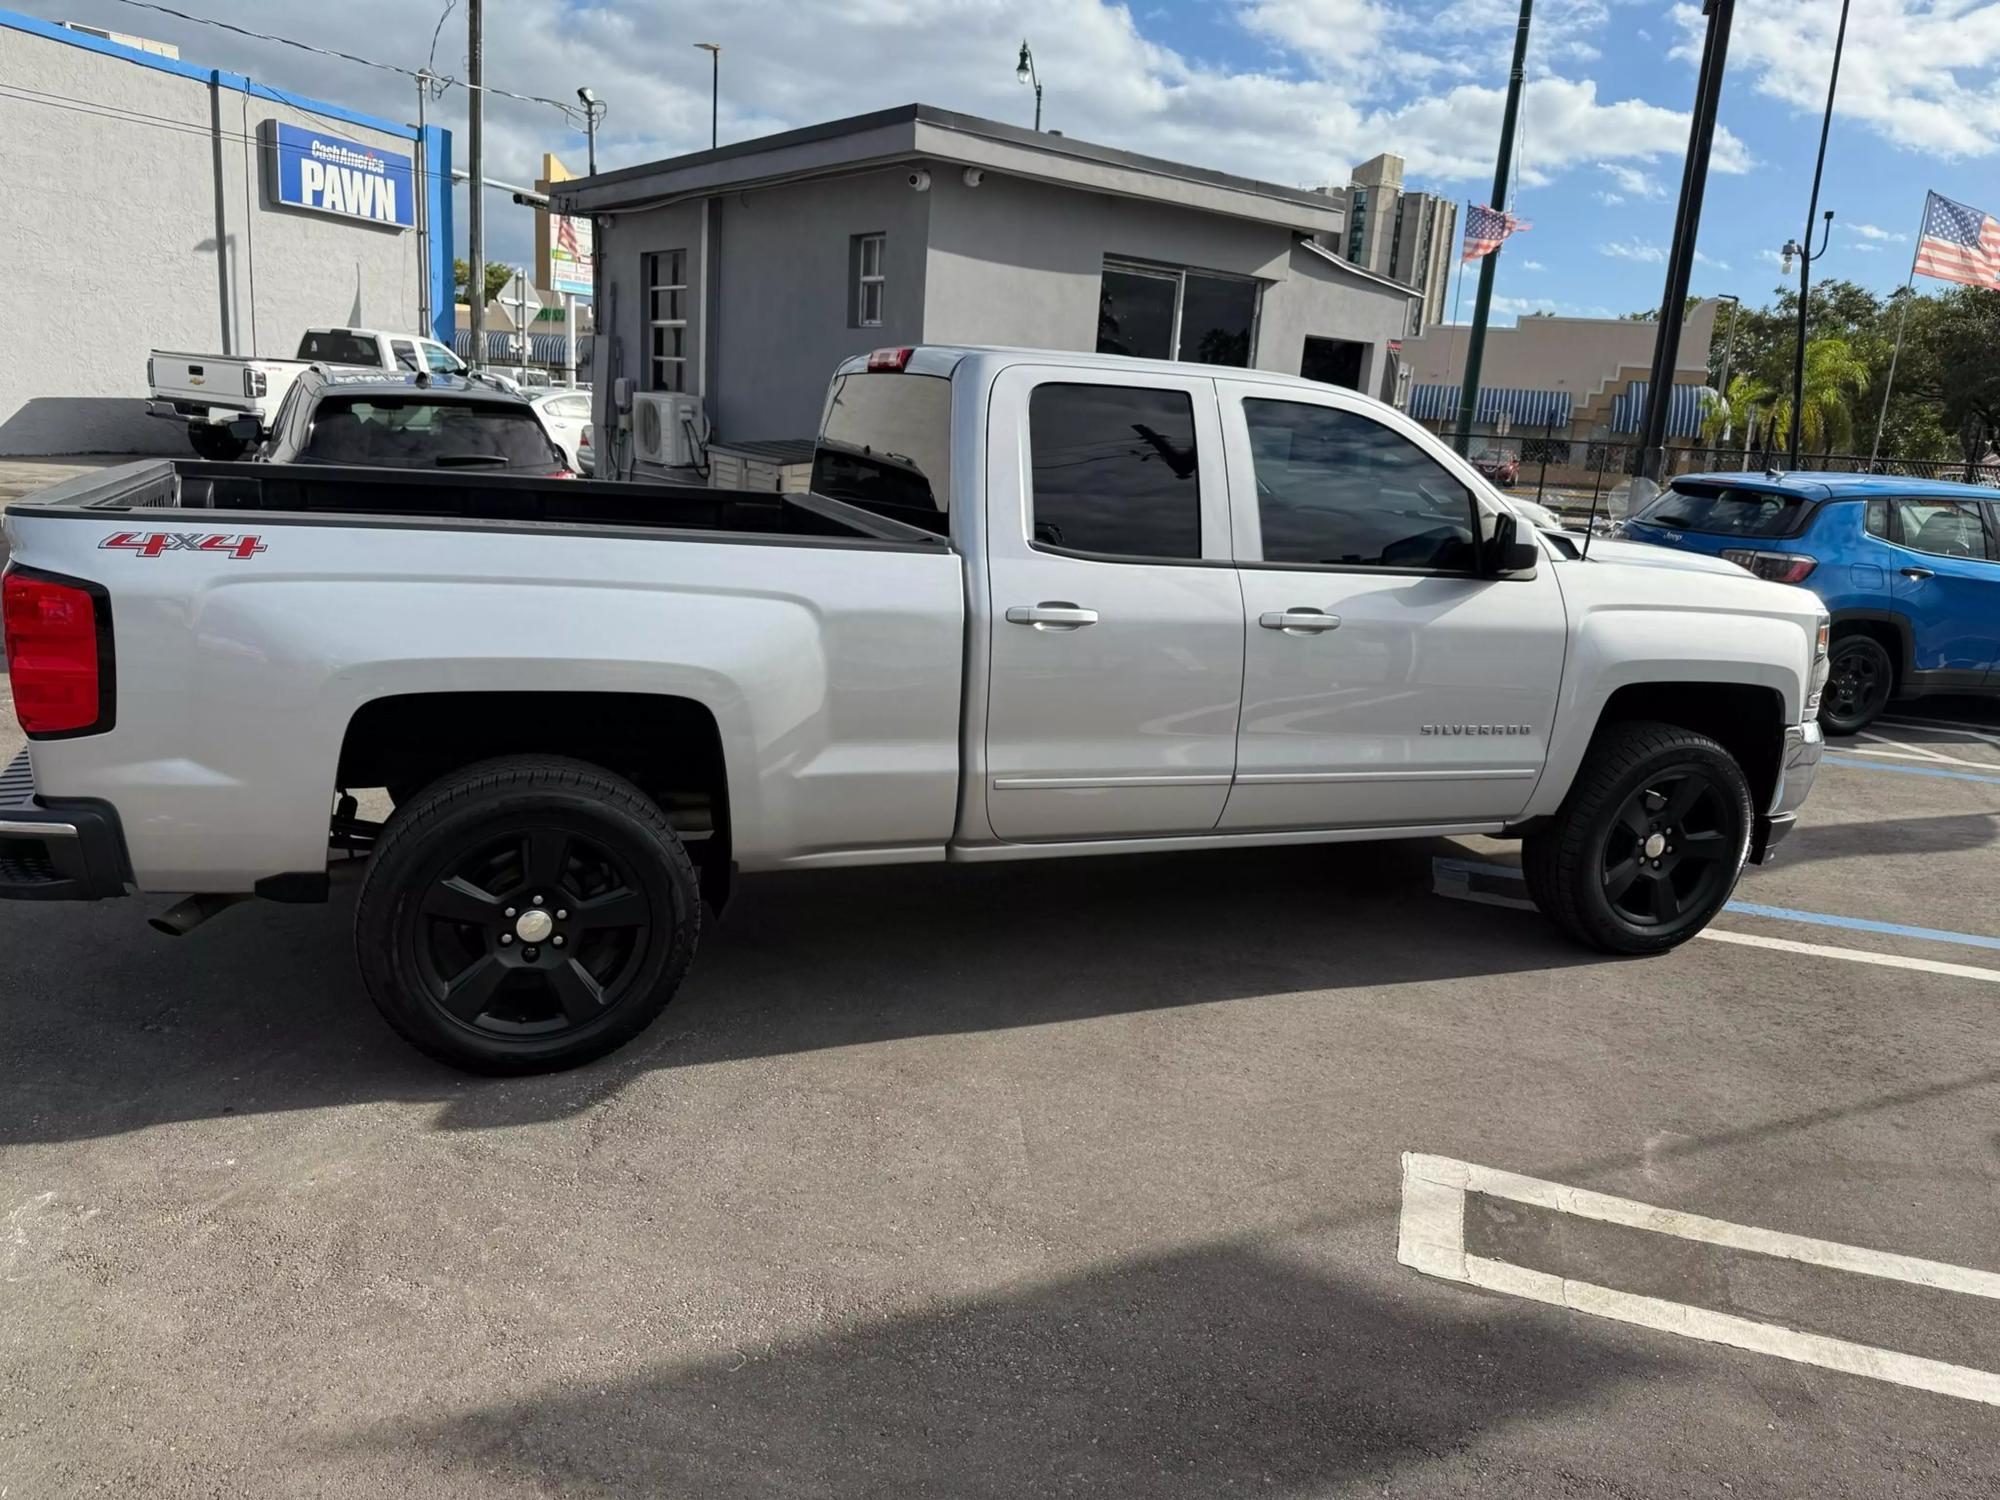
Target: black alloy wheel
(1671, 850)
(536, 931)
(1648, 845)
(526, 914)
(1860, 678)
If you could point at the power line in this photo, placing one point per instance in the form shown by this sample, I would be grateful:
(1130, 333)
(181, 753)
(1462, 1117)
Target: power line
(569, 111)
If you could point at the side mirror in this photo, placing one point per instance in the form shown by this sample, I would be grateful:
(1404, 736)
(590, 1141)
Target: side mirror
(1506, 552)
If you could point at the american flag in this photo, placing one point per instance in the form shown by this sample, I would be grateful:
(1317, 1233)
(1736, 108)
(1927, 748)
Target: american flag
(1486, 227)
(1959, 243)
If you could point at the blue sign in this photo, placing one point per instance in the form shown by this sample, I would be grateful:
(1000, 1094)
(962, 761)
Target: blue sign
(334, 176)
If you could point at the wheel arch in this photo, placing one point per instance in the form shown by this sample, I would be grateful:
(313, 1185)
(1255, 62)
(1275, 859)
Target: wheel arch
(1746, 719)
(670, 747)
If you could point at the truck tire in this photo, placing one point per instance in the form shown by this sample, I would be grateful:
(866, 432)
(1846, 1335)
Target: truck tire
(1648, 844)
(526, 914)
(216, 444)
(1859, 680)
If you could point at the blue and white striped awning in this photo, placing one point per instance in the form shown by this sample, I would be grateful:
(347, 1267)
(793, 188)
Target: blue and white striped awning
(543, 348)
(1527, 409)
(1684, 410)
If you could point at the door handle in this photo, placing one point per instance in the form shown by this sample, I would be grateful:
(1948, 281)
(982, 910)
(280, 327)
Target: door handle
(1918, 573)
(1051, 614)
(1303, 621)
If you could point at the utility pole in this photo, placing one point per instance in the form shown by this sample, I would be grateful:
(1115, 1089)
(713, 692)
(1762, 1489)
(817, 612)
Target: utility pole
(1475, 349)
(1680, 259)
(475, 77)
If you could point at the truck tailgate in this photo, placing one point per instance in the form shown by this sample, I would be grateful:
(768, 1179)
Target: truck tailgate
(207, 379)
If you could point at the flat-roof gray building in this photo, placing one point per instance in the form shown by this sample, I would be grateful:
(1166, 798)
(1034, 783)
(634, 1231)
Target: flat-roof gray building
(745, 274)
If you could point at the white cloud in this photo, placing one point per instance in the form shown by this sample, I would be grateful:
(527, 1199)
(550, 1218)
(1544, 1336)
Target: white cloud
(1770, 258)
(1871, 232)
(1341, 80)
(1632, 181)
(1609, 200)
(1866, 249)
(1531, 265)
(1924, 74)
(1637, 250)
(1705, 260)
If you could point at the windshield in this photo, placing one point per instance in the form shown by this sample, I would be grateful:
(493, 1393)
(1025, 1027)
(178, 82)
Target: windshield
(885, 445)
(409, 432)
(1727, 510)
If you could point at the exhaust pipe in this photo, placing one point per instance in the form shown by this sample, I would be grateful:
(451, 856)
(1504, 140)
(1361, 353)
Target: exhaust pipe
(190, 912)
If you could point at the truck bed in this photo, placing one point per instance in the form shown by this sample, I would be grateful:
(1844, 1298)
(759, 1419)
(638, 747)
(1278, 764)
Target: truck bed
(391, 497)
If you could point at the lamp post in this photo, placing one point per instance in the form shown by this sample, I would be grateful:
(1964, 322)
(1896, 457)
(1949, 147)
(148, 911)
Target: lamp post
(593, 110)
(714, 51)
(1805, 252)
(1024, 71)
(1805, 255)
(1728, 353)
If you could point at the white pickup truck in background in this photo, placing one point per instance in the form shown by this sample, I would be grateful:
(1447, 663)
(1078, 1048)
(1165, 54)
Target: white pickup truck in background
(228, 402)
(1037, 605)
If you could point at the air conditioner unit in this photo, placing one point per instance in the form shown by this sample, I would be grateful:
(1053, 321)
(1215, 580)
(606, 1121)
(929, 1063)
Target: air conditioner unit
(668, 429)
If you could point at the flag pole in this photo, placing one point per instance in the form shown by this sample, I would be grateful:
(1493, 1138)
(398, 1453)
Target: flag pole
(1902, 317)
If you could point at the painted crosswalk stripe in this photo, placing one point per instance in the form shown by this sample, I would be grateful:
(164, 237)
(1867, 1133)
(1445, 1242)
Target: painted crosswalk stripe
(1431, 1240)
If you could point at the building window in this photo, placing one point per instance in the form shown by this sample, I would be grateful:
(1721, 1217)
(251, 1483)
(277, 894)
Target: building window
(1164, 312)
(868, 280)
(1357, 219)
(666, 319)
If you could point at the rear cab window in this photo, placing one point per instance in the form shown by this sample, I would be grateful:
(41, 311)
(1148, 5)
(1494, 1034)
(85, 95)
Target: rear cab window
(411, 433)
(336, 346)
(885, 446)
(1728, 510)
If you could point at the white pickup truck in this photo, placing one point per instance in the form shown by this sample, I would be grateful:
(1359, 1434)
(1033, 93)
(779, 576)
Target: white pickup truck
(229, 402)
(1037, 605)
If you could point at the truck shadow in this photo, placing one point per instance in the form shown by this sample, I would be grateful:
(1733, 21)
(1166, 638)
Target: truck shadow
(108, 1028)
(1215, 1370)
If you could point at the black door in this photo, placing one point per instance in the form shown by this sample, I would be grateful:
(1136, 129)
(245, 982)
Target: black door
(1335, 361)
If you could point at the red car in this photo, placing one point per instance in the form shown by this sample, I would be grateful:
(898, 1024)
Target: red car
(1498, 467)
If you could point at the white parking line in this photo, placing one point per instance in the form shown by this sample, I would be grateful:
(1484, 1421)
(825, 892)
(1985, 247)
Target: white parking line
(1853, 955)
(1977, 731)
(1900, 751)
(1431, 1239)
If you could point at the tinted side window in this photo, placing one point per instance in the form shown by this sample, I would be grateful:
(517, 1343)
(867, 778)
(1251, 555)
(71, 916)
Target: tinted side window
(1947, 528)
(442, 361)
(1114, 471)
(1722, 511)
(1876, 519)
(1335, 487)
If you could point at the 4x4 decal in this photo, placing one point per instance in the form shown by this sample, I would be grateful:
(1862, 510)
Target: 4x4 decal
(153, 543)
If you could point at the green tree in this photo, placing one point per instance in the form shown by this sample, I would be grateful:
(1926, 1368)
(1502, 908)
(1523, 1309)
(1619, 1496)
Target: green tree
(497, 277)
(1732, 411)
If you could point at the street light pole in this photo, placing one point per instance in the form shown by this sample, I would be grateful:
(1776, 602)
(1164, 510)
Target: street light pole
(1024, 70)
(1728, 353)
(593, 111)
(1806, 255)
(1482, 307)
(1680, 259)
(714, 51)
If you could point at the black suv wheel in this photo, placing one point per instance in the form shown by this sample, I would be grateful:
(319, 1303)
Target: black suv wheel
(1649, 843)
(1859, 679)
(526, 914)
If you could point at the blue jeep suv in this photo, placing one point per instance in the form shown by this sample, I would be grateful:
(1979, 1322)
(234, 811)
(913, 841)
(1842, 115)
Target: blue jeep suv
(1909, 570)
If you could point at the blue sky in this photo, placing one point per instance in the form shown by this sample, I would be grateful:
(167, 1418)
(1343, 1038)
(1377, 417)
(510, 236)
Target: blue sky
(1295, 91)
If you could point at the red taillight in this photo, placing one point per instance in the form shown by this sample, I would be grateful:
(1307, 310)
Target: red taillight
(1779, 567)
(562, 474)
(890, 360)
(52, 654)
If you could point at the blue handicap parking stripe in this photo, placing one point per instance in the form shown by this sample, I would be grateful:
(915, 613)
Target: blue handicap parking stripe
(1863, 924)
(1876, 765)
(1465, 867)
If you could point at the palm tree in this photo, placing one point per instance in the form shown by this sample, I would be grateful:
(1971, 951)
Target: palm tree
(1733, 409)
(1835, 375)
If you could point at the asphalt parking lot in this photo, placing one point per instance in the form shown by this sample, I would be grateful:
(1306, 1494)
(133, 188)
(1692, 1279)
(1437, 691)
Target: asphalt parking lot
(1017, 1180)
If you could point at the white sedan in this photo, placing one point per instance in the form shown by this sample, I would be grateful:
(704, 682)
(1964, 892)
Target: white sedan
(565, 414)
